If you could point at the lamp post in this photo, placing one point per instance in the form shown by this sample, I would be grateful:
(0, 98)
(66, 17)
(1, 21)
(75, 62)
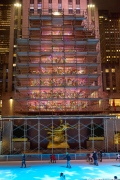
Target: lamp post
(17, 5)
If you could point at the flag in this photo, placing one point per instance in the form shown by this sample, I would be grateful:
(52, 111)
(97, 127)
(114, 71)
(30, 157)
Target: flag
(113, 104)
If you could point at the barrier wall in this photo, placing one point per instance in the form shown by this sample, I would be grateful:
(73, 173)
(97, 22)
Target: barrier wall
(46, 157)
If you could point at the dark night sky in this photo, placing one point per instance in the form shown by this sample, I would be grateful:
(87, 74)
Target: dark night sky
(112, 5)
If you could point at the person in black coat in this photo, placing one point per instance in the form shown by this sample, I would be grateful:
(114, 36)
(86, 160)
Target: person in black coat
(23, 161)
(100, 155)
(95, 158)
(62, 176)
(68, 160)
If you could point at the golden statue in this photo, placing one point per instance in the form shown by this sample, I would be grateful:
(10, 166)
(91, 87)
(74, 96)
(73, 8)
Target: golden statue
(57, 136)
(117, 138)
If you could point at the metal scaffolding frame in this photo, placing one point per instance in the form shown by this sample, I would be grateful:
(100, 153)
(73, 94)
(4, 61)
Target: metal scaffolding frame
(58, 66)
(30, 134)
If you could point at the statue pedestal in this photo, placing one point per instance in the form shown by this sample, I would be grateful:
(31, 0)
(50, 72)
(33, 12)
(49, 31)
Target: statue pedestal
(62, 145)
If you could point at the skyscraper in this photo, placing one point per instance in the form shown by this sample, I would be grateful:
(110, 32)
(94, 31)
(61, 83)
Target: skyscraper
(5, 15)
(110, 52)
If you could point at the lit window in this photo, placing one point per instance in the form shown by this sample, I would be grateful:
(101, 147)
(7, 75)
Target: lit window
(116, 102)
(0, 103)
(106, 70)
(113, 70)
(107, 88)
(14, 65)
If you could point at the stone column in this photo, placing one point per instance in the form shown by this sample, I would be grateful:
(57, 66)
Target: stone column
(7, 137)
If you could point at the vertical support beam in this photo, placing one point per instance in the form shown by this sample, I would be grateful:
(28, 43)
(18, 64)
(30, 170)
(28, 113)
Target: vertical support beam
(110, 134)
(25, 134)
(19, 23)
(4, 76)
(6, 137)
(115, 132)
(25, 7)
(79, 135)
(38, 136)
(11, 136)
(106, 134)
(52, 137)
(92, 134)
(66, 135)
(11, 44)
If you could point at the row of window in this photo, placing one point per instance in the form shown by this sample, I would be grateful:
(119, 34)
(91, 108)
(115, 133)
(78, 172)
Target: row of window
(70, 11)
(59, 1)
(107, 70)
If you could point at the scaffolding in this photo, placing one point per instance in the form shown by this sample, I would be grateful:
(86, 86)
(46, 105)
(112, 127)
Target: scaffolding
(58, 66)
(30, 134)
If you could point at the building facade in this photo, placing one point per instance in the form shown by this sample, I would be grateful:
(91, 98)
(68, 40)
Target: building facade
(58, 68)
(55, 74)
(5, 16)
(110, 54)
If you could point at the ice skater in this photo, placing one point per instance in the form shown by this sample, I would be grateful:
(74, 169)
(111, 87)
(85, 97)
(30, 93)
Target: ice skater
(53, 158)
(62, 176)
(100, 156)
(117, 157)
(91, 157)
(68, 160)
(23, 161)
(95, 158)
(50, 158)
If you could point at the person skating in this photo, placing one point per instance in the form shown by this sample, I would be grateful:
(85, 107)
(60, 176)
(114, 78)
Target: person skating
(53, 158)
(117, 157)
(50, 158)
(68, 160)
(62, 176)
(23, 161)
(95, 158)
(91, 157)
(100, 156)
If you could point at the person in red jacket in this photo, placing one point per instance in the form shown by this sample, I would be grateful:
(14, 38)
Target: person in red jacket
(53, 158)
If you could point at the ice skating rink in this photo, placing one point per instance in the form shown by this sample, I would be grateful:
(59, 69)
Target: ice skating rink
(43, 170)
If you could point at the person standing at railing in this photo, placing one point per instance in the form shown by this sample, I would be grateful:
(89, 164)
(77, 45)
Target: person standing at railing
(117, 157)
(23, 161)
(53, 158)
(100, 156)
(68, 160)
(95, 158)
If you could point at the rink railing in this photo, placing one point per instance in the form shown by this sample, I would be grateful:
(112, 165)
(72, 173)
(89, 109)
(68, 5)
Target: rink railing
(46, 157)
